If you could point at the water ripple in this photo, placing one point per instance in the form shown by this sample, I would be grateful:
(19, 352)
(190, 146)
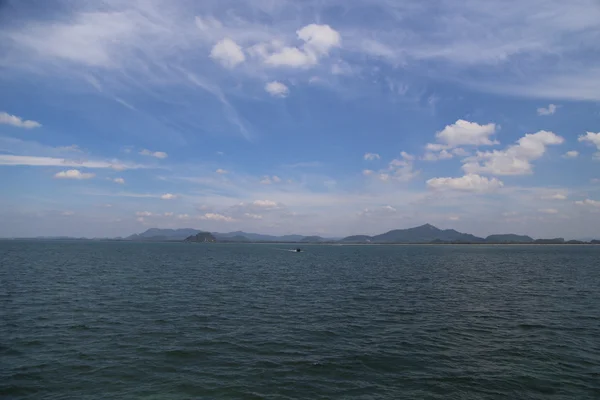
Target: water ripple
(151, 321)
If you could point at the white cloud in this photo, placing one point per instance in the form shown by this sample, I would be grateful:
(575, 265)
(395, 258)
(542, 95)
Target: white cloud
(400, 169)
(221, 171)
(551, 109)
(228, 53)
(469, 182)
(318, 41)
(67, 213)
(406, 156)
(277, 89)
(571, 154)
(267, 180)
(436, 147)
(168, 214)
(267, 204)
(460, 152)
(371, 156)
(548, 210)
(588, 202)
(143, 214)
(34, 161)
(157, 154)
(593, 138)
(514, 160)
(74, 174)
(120, 181)
(253, 216)
(465, 133)
(556, 196)
(216, 217)
(6, 118)
(442, 155)
(168, 196)
(291, 57)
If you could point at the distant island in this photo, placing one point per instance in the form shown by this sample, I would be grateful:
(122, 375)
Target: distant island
(424, 234)
(202, 237)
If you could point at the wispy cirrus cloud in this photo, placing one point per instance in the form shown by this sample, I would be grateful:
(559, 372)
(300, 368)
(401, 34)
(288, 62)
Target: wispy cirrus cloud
(33, 161)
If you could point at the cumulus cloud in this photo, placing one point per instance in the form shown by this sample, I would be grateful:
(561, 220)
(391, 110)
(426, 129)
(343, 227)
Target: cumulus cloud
(551, 109)
(548, 210)
(442, 155)
(514, 160)
(168, 196)
(401, 169)
(465, 133)
(571, 154)
(593, 138)
(318, 41)
(74, 174)
(253, 216)
(8, 119)
(371, 156)
(143, 214)
(469, 182)
(277, 89)
(216, 217)
(228, 53)
(157, 154)
(120, 181)
(221, 171)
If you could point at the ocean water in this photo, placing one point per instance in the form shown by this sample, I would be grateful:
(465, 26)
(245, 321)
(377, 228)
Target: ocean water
(85, 320)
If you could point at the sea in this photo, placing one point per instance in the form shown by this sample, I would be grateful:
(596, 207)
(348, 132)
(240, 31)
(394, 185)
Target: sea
(120, 320)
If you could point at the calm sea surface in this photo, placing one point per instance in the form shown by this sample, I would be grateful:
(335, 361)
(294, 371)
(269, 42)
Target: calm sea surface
(84, 320)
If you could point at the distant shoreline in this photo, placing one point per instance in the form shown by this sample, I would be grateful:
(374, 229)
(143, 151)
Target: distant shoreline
(566, 243)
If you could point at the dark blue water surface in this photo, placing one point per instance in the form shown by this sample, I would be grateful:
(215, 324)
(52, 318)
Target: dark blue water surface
(89, 320)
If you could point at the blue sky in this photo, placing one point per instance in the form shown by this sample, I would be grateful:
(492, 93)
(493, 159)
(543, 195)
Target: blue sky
(320, 117)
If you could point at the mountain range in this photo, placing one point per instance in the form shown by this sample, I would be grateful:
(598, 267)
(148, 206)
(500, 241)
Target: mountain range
(421, 234)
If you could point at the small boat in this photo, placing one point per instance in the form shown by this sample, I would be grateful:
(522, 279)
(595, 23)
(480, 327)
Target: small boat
(298, 250)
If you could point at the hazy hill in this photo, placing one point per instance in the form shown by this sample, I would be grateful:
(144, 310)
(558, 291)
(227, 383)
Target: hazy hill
(313, 239)
(509, 238)
(421, 234)
(153, 234)
(357, 239)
